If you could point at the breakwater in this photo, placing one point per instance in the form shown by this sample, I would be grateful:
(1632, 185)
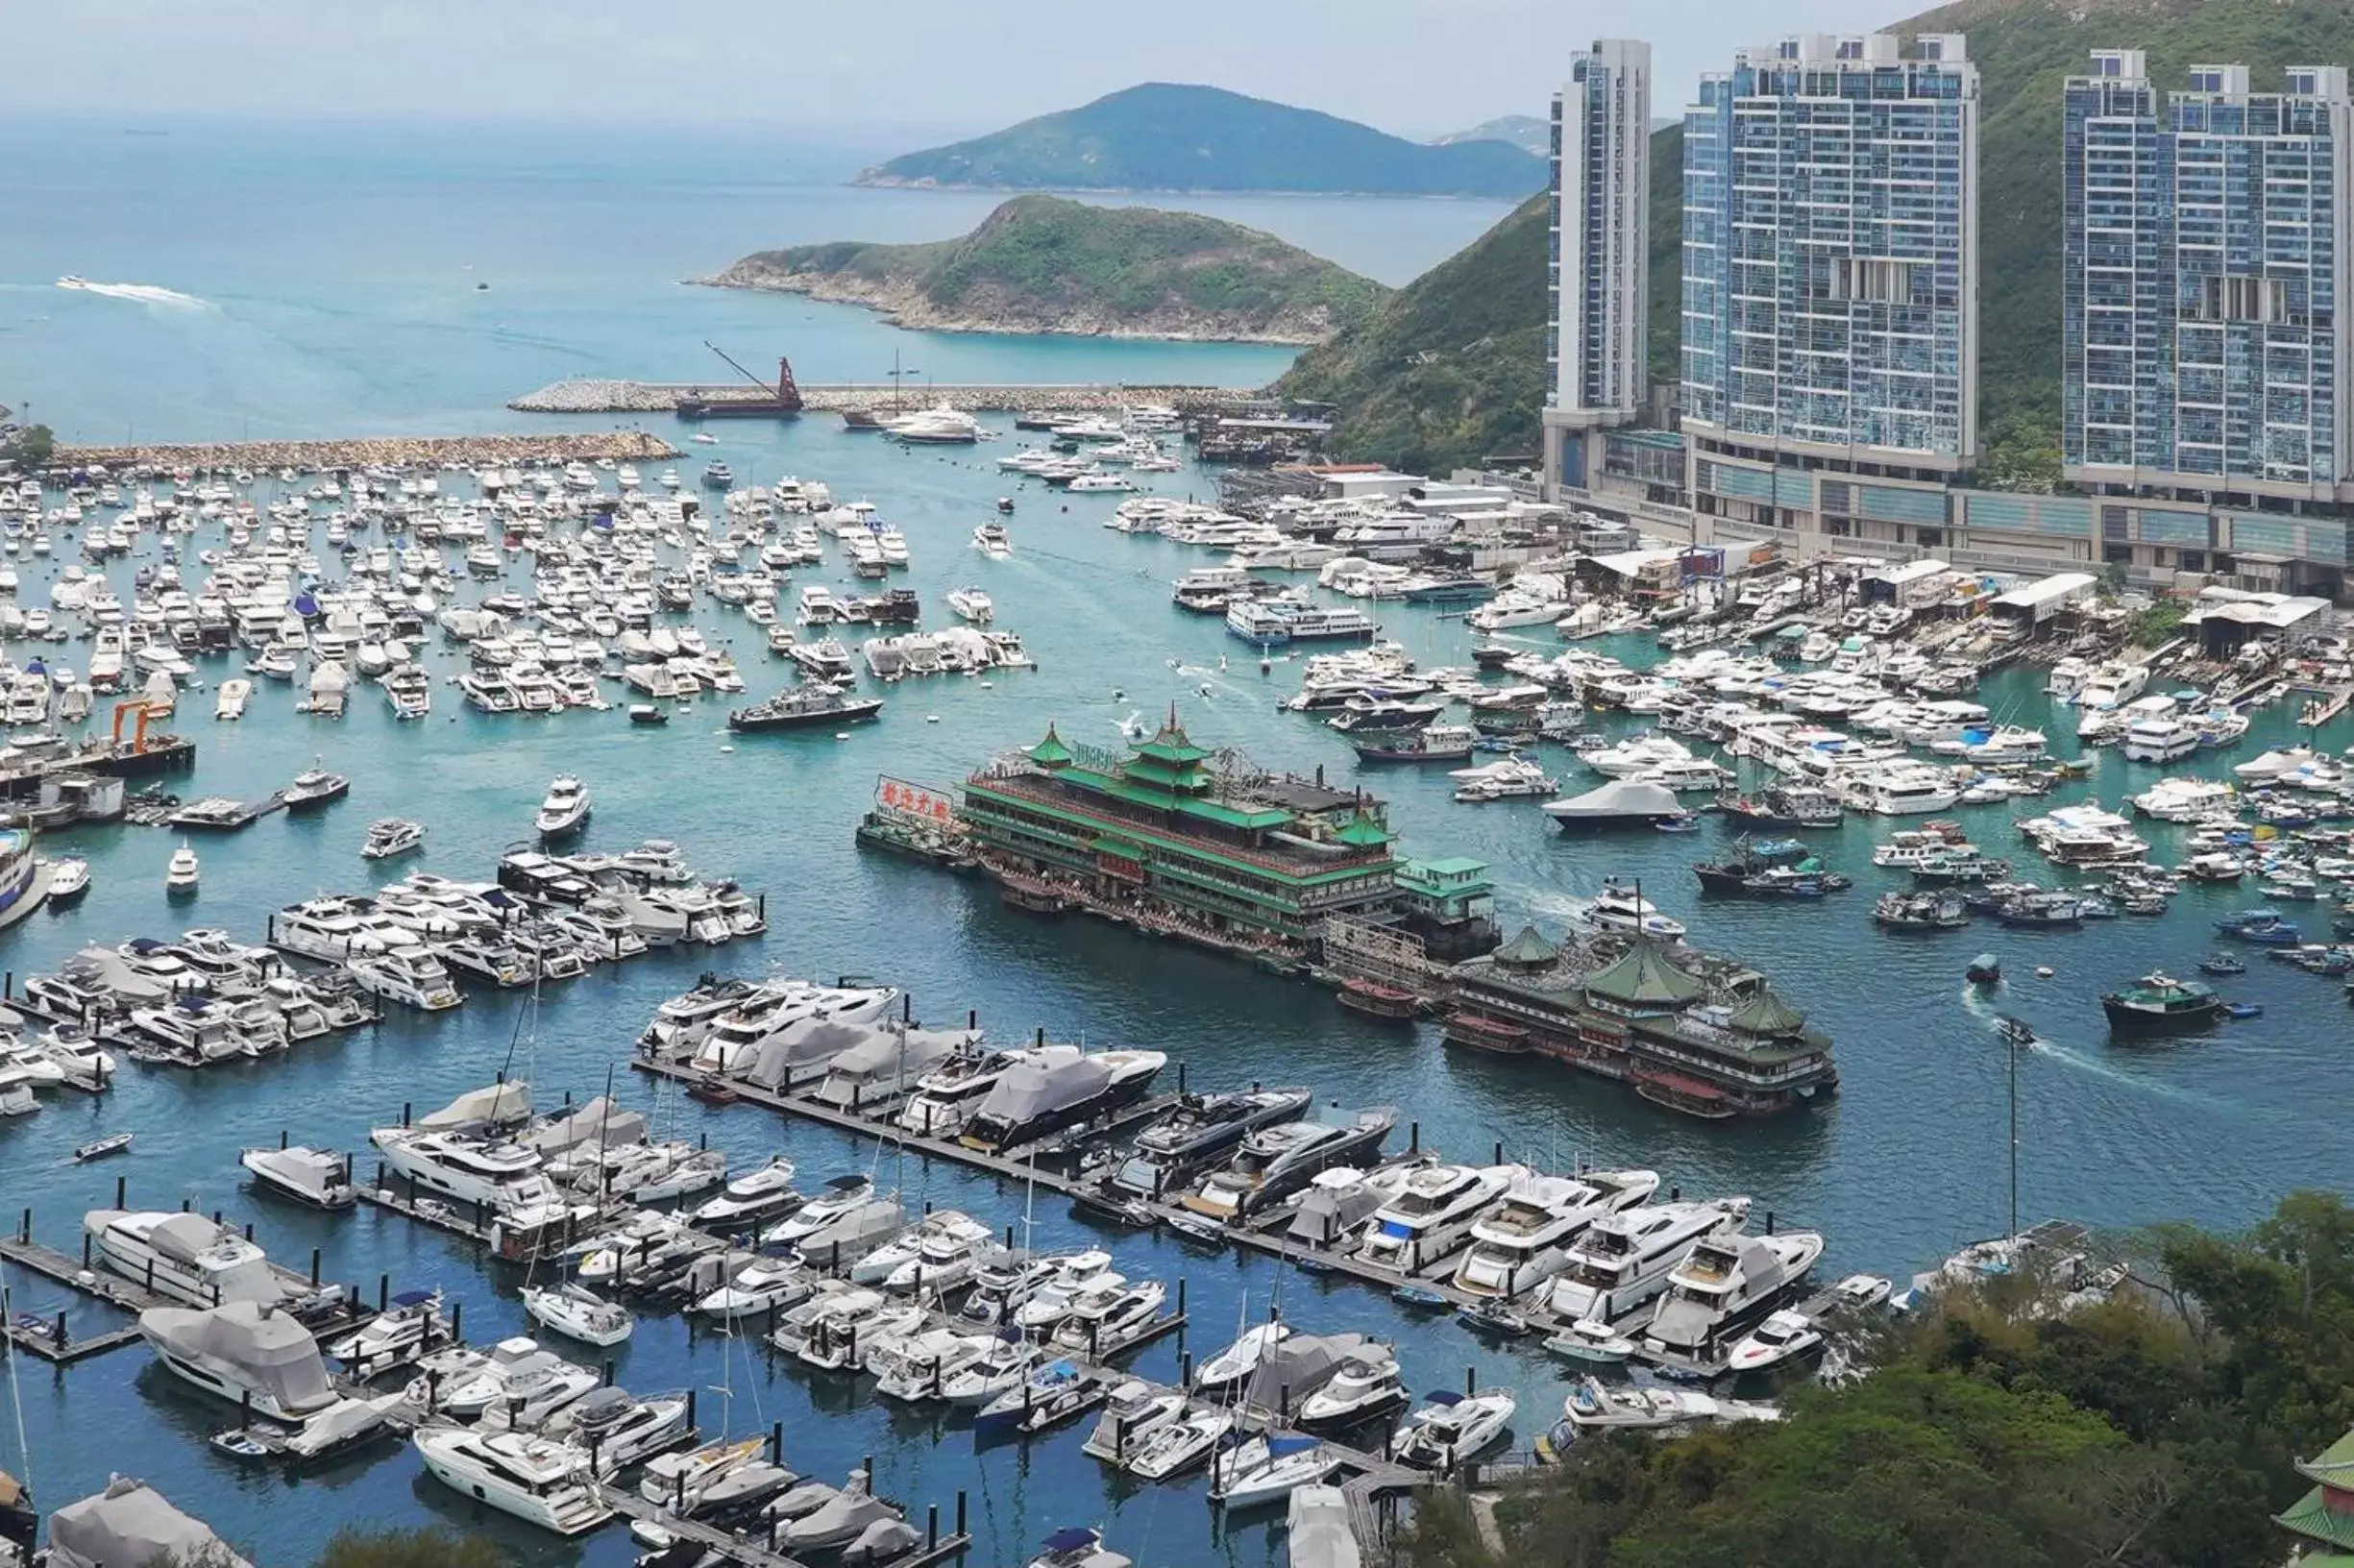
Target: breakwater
(609, 397)
(373, 451)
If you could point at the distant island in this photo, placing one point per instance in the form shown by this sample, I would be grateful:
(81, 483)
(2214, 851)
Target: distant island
(1047, 265)
(1165, 136)
(1525, 131)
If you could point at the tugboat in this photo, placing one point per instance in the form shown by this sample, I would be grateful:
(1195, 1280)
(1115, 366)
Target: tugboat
(2157, 1004)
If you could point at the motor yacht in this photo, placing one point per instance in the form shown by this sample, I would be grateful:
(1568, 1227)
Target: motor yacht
(1107, 1318)
(1434, 1215)
(1594, 1406)
(759, 1195)
(251, 1354)
(311, 1176)
(678, 1479)
(1058, 1087)
(1450, 1428)
(565, 811)
(946, 1098)
(1004, 1287)
(1268, 1467)
(518, 1379)
(392, 836)
(183, 1255)
(409, 974)
(937, 1257)
(411, 1326)
(1338, 1203)
(920, 1366)
(1726, 1285)
(1276, 1162)
(1526, 1239)
(1178, 1445)
(181, 873)
(619, 1431)
(1621, 906)
(551, 1485)
(1201, 1130)
(1623, 1261)
(1365, 1387)
(494, 1175)
(1053, 1393)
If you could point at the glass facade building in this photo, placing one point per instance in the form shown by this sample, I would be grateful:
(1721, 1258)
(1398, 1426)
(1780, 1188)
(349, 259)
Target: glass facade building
(1830, 235)
(2205, 256)
(1599, 262)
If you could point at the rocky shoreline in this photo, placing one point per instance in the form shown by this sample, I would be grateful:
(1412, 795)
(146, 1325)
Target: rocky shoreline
(902, 302)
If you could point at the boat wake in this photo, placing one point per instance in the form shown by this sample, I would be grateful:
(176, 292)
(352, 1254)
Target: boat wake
(2052, 1050)
(139, 293)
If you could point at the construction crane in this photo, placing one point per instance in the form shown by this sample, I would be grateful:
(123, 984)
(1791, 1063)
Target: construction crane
(776, 402)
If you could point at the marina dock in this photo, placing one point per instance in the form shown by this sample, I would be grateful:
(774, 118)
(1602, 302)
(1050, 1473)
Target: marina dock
(374, 451)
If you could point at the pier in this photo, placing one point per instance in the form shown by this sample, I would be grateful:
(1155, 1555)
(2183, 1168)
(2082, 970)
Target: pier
(378, 451)
(613, 397)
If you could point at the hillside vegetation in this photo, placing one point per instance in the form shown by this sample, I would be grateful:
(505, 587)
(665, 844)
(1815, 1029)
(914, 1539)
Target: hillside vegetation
(1166, 137)
(1047, 265)
(2025, 49)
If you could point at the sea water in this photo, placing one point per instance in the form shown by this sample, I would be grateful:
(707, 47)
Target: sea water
(1908, 1161)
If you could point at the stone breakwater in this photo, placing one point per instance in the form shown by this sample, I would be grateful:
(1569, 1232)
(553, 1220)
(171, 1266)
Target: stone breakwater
(607, 397)
(380, 451)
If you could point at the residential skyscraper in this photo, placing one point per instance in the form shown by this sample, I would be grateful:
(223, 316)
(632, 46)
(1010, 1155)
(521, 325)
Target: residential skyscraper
(2207, 263)
(1830, 266)
(1600, 261)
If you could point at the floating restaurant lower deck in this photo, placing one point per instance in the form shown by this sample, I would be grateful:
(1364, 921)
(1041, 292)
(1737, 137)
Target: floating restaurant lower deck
(1689, 1032)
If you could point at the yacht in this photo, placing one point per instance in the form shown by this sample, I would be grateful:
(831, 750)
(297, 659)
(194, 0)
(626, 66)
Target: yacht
(565, 811)
(762, 1285)
(1434, 1215)
(1276, 1162)
(935, 426)
(1201, 1130)
(1623, 1261)
(1056, 1087)
(949, 1249)
(618, 1431)
(1451, 1428)
(181, 874)
(842, 1196)
(1268, 1467)
(1526, 1239)
(1364, 1386)
(409, 974)
(1726, 1285)
(1594, 1406)
(919, 1365)
(1621, 906)
(183, 1255)
(1338, 1202)
(578, 1312)
(2160, 739)
(1004, 1287)
(1783, 1336)
(548, 1483)
(413, 1326)
(758, 1196)
(519, 1380)
(391, 836)
(311, 1176)
(253, 1356)
(946, 1098)
(971, 604)
(1180, 1444)
(1132, 1412)
(470, 1169)
(2112, 686)
(1109, 1319)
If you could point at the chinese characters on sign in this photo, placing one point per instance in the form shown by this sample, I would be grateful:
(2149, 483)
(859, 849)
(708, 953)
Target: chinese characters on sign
(914, 799)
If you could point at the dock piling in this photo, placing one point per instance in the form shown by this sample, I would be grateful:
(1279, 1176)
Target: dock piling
(1414, 1137)
(282, 1137)
(776, 1442)
(931, 1528)
(959, 1510)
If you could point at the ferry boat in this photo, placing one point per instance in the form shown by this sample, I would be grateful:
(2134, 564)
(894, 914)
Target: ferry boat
(2157, 1004)
(1275, 621)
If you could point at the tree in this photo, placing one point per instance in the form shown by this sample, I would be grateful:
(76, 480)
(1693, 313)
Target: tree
(29, 447)
(434, 1548)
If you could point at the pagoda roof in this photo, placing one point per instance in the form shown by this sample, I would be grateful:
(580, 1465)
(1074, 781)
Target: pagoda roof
(1051, 753)
(1171, 744)
(1363, 832)
(1527, 950)
(1768, 1016)
(1645, 979)
(2312, 1517)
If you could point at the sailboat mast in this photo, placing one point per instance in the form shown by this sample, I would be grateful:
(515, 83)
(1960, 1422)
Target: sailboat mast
(2014, 1141)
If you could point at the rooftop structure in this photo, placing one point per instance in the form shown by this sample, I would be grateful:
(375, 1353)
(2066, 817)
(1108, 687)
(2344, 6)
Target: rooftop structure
(1697, 1033)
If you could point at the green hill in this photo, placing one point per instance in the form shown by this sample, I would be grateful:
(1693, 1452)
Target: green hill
(1447, 406)
(1165, 137)
(1047, 265)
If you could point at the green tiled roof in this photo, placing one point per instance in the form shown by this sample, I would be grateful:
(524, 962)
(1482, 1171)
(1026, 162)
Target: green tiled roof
(1453, 866)
(1050, 752)
(2310, 1516)
(1644, 978)
(1363, 832)
(1527, 950)
(1768, 1014)
(2334, 1464)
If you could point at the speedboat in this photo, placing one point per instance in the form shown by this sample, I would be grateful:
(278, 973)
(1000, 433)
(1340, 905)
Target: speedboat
(759, 1286)
(414, 1325)
(390, 836)
(1365, 1387)
(565, 811)
(1450, 1428)
(1180, 1445)
(1784, 1336)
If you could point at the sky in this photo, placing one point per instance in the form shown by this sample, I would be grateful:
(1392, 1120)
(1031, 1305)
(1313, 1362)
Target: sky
(856, 68)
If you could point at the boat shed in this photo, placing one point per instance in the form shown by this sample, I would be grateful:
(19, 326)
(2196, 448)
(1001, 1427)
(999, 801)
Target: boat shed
(2037, 602)
(1904, 584)
(2226, 622)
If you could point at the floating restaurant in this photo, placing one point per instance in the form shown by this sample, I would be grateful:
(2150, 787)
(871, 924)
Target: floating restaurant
(1177, 839)
(1694, 1033)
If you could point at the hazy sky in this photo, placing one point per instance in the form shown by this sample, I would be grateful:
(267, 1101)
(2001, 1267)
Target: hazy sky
(856, 66)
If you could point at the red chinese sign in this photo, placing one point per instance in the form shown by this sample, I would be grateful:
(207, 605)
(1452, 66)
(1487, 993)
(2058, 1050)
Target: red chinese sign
(914, 799)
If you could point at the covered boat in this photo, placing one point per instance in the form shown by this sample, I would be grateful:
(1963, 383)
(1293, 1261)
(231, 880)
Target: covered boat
(242, 1352)
(1618, 803)
(129, 1522)
(495, 1105)
(600, 1123)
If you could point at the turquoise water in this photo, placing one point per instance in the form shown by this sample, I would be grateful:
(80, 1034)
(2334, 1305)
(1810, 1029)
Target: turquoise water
(313, 261)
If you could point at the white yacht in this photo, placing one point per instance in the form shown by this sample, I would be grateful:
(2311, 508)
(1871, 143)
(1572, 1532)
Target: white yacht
(1434, 1215)
(470, 1169)
(248, 1355)
(565, 811)
(551, 1485)
(578, 1312)
(391, 836)
(181, 873)
(1526, 1239)
(948, 1097)
(1622, 1259)
(311, 1176)
(760, 1284)
(1783, 1336)
(762, 1193)
(520, 1382)
(409, 975)
(1620, 906)
(1452, 1427)
(1726, 1285)
(2162, 738)
(183, 1255)
(1264, 1467)
(2113, 685)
